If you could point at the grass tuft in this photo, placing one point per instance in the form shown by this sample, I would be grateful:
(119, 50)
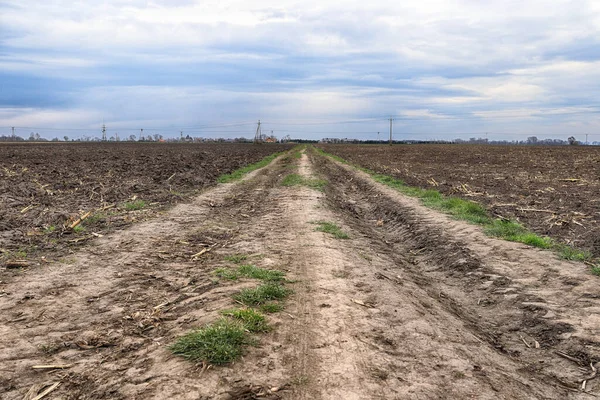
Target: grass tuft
(262, 294)
(331, 228)
(596, 270)
(299, 180)
(239, 173)
(252, 320)
(571, 253)
(134, 205)
(227, 273)
(252, 271)
(218, 343)
(515, 232)
(271, 308)
(236, 258)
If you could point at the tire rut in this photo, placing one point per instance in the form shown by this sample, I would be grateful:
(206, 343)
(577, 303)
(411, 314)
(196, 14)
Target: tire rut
(430, 250)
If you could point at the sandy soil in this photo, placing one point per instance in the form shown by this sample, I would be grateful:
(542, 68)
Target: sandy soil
(412, 305)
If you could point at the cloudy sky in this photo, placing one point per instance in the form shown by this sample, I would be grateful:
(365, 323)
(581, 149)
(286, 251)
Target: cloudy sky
(441, 68)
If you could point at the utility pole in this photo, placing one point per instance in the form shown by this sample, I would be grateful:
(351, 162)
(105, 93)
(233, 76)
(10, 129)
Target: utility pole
(13, 132)
(391, 119)
(141, 134)
(586, 139)
(181, 136)
(103, 132)
(258, 135)
(377, 137)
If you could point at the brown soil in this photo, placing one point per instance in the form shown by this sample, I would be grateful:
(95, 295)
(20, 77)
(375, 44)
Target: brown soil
(45, 187)
(413, 305)
(552, 190)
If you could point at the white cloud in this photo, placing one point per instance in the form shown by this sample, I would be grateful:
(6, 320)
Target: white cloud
(310, 58)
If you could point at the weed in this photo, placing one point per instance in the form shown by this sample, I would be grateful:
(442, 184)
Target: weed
(596, 270)
(79, 229)
(239, 173)
(299, 180)
(50, 229)
(300, 380)
(515, 232)
(134, 205)
(292, 180)
(252, 320)
(571, 253)
(236, 258)
(262, 294)
(252, 271)
(271, 308)
(331, 228)
(20, 254)
(227, 273)
(218, 343)
(95, 218)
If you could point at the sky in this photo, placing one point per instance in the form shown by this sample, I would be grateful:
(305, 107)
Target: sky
(442, 69)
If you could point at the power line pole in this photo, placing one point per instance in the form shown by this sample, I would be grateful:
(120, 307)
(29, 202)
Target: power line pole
(391, 129)
(378, 137)
(103, 132)
(258, 135)
(13, 132)
(141, 134)
(586, 139)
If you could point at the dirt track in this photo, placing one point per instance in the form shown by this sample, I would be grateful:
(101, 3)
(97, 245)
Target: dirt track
(413, 305)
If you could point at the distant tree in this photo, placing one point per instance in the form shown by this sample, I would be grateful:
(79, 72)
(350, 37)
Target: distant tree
(532, 140)
(132, 138)
(572, 141)
(66, 138)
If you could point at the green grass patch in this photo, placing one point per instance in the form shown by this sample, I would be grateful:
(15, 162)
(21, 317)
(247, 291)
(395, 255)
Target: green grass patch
(571, 253)
(134, 205)
(332, 229)
(239, 173)
(252, 320)
(299, 180)
(236, 258)
(292, 180)
(515, 232)
(79, 228)
(271, 308)
(227, 273)
(99, 216)
(219, 343)
(250, 271)
(262, 294)
(596, 270)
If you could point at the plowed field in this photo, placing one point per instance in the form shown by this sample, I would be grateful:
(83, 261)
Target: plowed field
(386, 300)
(554, 191)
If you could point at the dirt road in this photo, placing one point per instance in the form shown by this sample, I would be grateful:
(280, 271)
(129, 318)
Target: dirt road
(413, 305)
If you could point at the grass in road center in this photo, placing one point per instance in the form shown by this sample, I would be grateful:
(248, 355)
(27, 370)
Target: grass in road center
(250, 271)
(299, 180)
(224, 340)
(332, 229)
